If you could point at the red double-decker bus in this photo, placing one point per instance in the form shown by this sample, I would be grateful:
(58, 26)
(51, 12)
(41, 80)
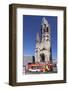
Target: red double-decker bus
(38, 67)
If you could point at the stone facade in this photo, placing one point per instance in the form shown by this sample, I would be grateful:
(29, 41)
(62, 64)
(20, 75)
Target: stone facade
(43, 43)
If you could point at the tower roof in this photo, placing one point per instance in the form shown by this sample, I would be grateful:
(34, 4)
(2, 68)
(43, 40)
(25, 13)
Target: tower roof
(44, 21)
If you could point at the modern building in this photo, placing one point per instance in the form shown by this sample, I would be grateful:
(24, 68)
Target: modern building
(43, 44)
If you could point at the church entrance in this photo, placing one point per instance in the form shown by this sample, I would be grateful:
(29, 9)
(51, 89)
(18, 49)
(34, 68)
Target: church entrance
(42, 57)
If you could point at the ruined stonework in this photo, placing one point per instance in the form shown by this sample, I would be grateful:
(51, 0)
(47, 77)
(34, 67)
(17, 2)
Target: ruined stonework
(43, 43)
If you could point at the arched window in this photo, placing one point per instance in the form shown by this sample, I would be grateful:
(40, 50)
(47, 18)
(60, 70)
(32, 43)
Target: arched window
(47, 30)
(42, 56)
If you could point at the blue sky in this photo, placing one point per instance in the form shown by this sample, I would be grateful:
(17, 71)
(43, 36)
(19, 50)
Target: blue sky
(32, 25)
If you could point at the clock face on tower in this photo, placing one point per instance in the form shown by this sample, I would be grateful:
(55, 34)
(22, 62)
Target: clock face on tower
(47, 38)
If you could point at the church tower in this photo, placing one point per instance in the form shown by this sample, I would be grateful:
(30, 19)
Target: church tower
(43, 46)
(45, 31)
(37, 49)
